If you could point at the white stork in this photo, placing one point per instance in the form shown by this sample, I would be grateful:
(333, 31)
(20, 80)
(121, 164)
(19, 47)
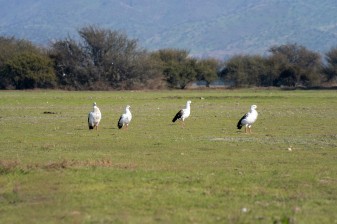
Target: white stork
(94, 117)
(125, 118)
(248, 119)
(183, 113)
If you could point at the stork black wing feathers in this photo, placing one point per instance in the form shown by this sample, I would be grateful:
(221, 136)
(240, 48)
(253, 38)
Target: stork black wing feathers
(239, 125)
(120, 123)
(178, 116)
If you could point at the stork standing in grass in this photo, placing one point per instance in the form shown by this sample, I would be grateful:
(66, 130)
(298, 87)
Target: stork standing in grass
(248, 119)
(125, 118)
(94, 117)
(183, 113)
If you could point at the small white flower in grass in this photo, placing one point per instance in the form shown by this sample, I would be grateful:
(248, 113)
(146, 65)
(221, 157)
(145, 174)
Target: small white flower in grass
(244, 210)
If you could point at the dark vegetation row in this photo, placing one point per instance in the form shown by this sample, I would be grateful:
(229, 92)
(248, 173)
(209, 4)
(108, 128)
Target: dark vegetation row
(104, 59)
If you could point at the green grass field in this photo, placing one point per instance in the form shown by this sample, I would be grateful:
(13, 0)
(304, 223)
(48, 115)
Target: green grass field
(54, 170)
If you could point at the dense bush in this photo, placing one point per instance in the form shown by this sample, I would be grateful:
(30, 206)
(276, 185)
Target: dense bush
(180, 70)
(207, 70)
(287, 65)
(177, 68)
(244, 70)
(297, 65)
(24, 66)
(330, 68)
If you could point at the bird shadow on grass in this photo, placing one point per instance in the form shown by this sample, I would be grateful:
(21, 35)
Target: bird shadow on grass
(50, 112)
(110, 128)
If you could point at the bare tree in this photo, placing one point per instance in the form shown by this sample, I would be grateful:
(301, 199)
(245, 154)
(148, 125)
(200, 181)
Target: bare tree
(103, 59)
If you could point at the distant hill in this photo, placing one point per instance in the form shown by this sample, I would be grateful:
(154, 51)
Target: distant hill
(217, 28)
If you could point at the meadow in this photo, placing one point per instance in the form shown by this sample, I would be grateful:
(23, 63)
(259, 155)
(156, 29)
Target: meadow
(54, 170)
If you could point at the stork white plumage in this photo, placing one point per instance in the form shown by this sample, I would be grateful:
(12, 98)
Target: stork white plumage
(183, 113)
(94, 117)
(248, 119)
(125, 118)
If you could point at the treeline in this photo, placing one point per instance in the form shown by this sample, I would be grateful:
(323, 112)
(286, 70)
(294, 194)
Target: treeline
(104, 59)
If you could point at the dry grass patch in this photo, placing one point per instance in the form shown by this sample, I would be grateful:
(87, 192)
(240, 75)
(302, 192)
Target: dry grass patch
(8, 166)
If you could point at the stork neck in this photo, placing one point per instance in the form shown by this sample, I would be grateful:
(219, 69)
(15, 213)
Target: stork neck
(253, 111)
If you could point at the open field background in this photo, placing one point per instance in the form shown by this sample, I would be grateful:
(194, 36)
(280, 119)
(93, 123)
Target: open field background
(54, 170)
